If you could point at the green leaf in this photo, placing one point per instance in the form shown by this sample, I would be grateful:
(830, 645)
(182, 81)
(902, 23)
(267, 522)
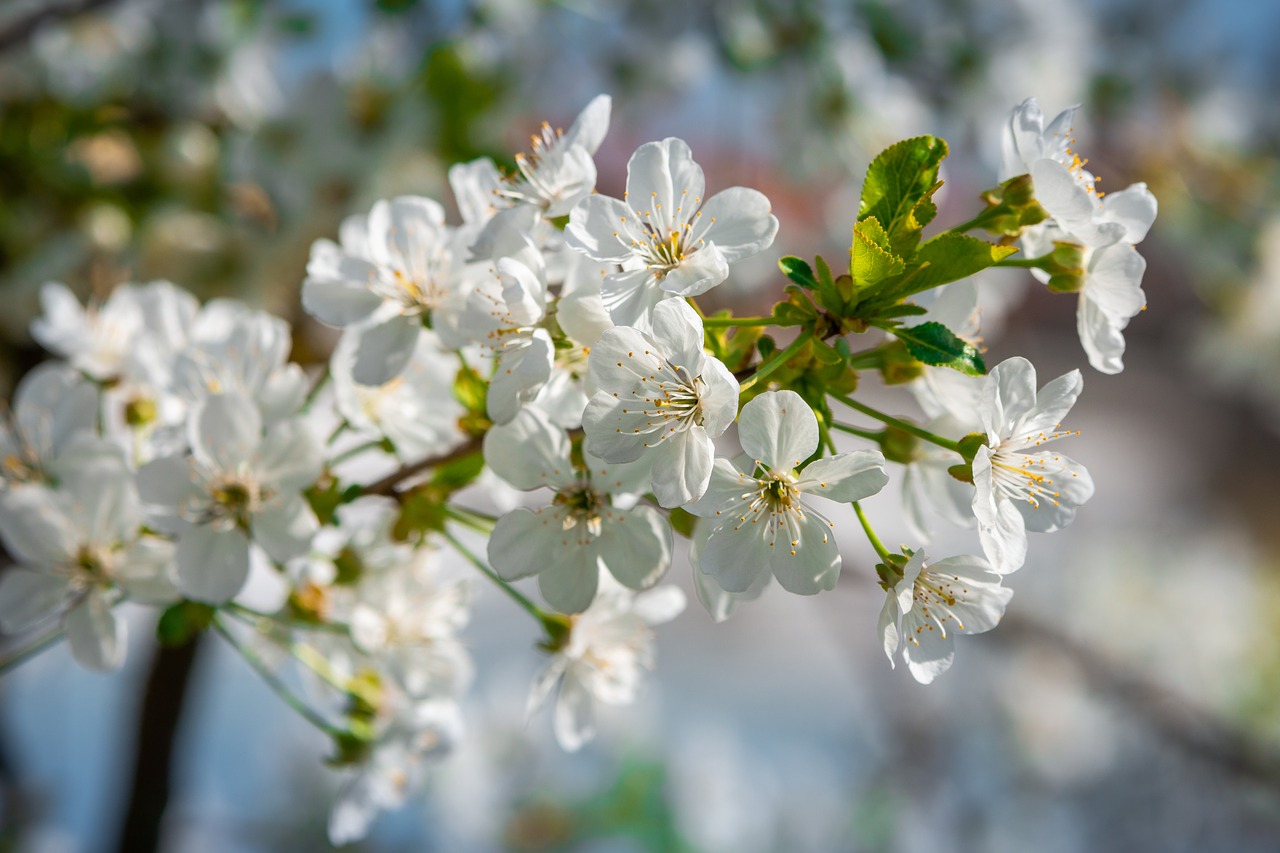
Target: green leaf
(934, 343)
(458, 473)
(182, 621)
(683, 522)
(951, 257)
(871, 260)
(898, 187)
(798, 271)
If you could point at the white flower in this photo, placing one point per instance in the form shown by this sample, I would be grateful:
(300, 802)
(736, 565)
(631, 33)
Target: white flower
(54, 410)
(409, 622)
(237, 484)
(1111, 293)
(715, 599)
(416, 410)
(235, 349)
(394, 271)
(927, 480)
(760, 523)
(567, 542)
(670, 242)
(559, 171)
(660, 395)
(609, 648)
(425, 732)
(1018, 487)
(934, 602)
(80, 548)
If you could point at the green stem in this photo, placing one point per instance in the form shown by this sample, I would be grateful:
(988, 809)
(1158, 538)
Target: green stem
(352, 452)
(31, 649)
(905, 426)
(516, 595)
(275, 682)
(824, 437)
(477, 521)
(778, 359)
(861, 433)
(337, 431)
(979, 221)
(867, 358)
(722, 322)
(321, 381)
(871, 534)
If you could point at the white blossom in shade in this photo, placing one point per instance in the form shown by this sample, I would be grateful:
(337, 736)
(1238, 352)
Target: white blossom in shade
(669, 240)
(416, 410)
(54, 410)
(394, 271)
(610, 646)
(235, 349)
(760, 523)
(584, 528)
(424, 733)
(80, 549)
(408, 620)
(932, 603)
(1111, 291)
(660, 395)
(238, 485)
(927, 484)
(1019, 487)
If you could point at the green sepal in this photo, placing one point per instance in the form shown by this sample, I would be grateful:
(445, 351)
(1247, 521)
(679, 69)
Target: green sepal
(935, 344)
(970, 443)
(1011, 208)
(181, 622)
(898, 445)
(683, 522)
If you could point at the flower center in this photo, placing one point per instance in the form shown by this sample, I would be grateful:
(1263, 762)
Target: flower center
(583, 505)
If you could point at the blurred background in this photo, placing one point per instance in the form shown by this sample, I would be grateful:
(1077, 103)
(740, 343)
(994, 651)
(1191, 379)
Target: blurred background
(1131, 698)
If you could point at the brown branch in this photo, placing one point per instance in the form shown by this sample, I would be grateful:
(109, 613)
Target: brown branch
(22, 29)
(387, 485)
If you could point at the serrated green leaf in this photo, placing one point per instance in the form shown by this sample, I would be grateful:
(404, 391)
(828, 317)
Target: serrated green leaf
(798, 271)
(951, 257)
(871, 260)
(898, 187)
(935, 344)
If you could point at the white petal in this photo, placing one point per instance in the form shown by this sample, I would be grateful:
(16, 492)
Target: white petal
(336, 290)
(569, 581)
(574, 714)
(35, 527)
(662, 176)
(631, 296)
(735, 558)
(1060, 194)
(384, 349)
(167, 484)
(525, 542)
(1001, 528)
(682, 467)
(847, 477)
(544, 683)
(719, 602)
(27, 598)
(1101, 337)
(659, 606)
(928, 653)
(887, 627)
(589, 128)
(96, 634)
(1066, 488)
(523, 367)
(1114, 281)
(697, 273)
(291, 458)
(725, 492)
(616, 428)
(147, 571)
(677, 330)
(719, 396)
(529, 452)
(285, 530)
(635, 546)
(738, 220)
(225, 430)
(1008, 396)
(212, 564)
(1053, 402)
(1133, 207)
(810, 563)
(605, 229)
(473, 185)
(779, 429)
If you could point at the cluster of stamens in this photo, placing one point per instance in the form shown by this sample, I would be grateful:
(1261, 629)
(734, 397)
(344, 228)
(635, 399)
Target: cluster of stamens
(776, 501)
(934, 594)
(1030, 478)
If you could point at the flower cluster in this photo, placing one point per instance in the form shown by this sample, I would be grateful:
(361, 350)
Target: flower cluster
(541, 374)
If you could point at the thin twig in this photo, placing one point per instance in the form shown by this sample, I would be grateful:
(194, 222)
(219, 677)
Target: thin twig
(387, 485)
